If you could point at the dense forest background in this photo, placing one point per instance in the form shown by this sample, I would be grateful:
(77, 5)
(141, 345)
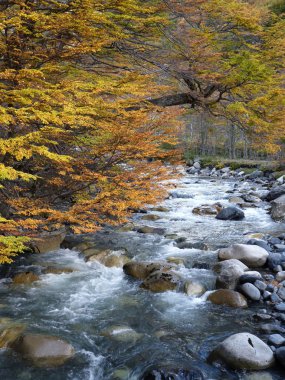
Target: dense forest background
(97, 97)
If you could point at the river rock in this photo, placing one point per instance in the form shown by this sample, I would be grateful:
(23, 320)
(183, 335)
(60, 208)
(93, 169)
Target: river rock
(194, 289)
(230, 213)
(9, 332)
(208, 209)
(151, 230)
(278, 208)
(122, 333)
(244, 351)
(141, 270)
(161, 281)
(172, 373)
(44, 350)
(250, 276)
(25, 278)
(151, 217)
(280, 276)
(228, 273)
(250, 255)
(53, 270)
(48, 241)
(189, 245)
(176, 260)
(111, 258)
(257, 376)
(275, 193)
(280, 356)
(261, 243)
(227, 297)
(160, 209)
(276, 340)
(236, 200)
(250, 291)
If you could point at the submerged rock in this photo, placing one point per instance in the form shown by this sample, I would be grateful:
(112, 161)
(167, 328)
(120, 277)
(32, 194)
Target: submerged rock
(25, 278)
(230, 213)
(194, 289)
(44, 350)
(244, 351)
(250, 255)
(151, 217)
(10, 331)
(227, 297)
(122, 333)
(151, 230)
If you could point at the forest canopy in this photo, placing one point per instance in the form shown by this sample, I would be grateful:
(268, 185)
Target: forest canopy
(85, 89)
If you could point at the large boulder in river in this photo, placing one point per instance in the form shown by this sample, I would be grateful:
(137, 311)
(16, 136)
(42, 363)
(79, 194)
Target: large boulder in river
(230, 213)
(278, 208)
(244, 351)
(161, 281)
(9, 332)
(227, 297)
(48, 241)
(194, 289)
(228, 273)
(275, 193)
(250, 255)
(44, 350)
(141, 270)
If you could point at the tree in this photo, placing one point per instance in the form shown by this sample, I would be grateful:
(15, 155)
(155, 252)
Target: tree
(70, 152)
(227, 58)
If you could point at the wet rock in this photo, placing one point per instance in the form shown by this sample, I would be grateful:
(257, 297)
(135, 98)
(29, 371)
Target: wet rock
(260, 285)
(207, 209)
(236, 200)
(176, 260)
(179, 194)
(126, 227)
(278, 208)
(151, 217)
(53, 270)
(160, 209)
(230, 213)
(280, 356)
(275, 298)
(258, 376)
(227, 297)
(228, 273)
(151, 230)
(10, 331)
(25, 278)
(281, 293)
(44, 350)
(122, 334)
(141, 270)
(250, 255)
(172, 374)
(276, 340)
(49, 241)
(262, 317)
(250, 276)
(201, 265)
(160, 281)
(255, 174)
(280, 276)
(194, 289)
(244, 351)
(275, 193)
(188, 245)
(280, 307)
(269, 328)
(250, 291)
(274, 259)
(261, 243)
(111, 258)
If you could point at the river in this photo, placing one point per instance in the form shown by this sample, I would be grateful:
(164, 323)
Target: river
(171, 328)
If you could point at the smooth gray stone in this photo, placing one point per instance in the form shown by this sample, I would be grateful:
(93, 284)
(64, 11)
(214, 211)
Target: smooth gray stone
(260, 285)
(250, 291)
(276, 340)
(280, 306)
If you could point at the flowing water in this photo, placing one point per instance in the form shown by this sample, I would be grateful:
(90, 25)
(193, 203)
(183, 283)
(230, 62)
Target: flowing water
(170, 328)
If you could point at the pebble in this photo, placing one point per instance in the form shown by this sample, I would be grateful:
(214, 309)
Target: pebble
(260, 285)
(280, 276)
(276, 340)
(275, 298)
(280, 306)
(281, 293)
(250, 291)
(269, 328)
(266, 295)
